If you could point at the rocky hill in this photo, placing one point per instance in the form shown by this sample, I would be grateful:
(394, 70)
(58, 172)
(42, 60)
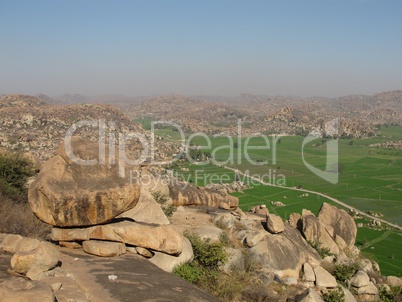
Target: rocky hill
(30, 125)
(358, 115)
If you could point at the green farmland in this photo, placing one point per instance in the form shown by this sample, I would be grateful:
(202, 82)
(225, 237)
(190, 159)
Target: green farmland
(382, 245)
(370, 179)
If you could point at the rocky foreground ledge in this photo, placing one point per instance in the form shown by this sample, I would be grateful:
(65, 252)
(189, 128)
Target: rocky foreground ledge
(81, 277)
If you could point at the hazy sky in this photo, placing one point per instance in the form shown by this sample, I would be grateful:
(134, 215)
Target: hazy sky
(299, 47)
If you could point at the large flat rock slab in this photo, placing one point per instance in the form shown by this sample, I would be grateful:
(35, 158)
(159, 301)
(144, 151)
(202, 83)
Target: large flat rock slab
(128, 277)
(137, 279)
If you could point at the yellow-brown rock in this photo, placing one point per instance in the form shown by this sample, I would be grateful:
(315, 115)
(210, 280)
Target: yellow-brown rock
(68, 193)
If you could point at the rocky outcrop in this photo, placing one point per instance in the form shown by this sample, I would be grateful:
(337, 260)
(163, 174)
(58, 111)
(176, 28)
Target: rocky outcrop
(293, 220)
(208, 232)
(275, 224)
(42, 258)
(31, 257)
(187, 194)
(168, 262)
(393, 281)
(284, 253)
(360, 279)
(309, 295)
(316, 233)
(260, 210)
(159, 238)
(254, 237)
(333, 229)
(22, 290)
(323, 278)
(147, 210)
(338, 223)
(144, 252)
(68, 193)
(308, 273)
(363, 287)
(10, 243)
(70, 234)
(104, 248)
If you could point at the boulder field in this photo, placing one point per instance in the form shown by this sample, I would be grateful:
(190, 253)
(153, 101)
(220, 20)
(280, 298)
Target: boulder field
(94, 209)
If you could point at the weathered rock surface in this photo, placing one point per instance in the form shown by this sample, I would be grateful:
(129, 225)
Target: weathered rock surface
(27, 244)
(22, 290)
(168, 262)
(208, 232)
(262, 210)
(323, 278)
(70, 244)
(340, 242)
(368, 290)
(104, 248)
(44, 257)
(188, 194)
(10, 243)
(147, 210)
(360, 279)
(340, 222)
(314, 231)
(308, 273)
(393, 281)
(253, 238)
(224, 206)
(235, 260)
(159, 238)
(293, 220)
(70, 234)
(227, 220)
(154, 183)
(284, 253)
(348, 295)
(143, 252)
(275, 224)
(68, 193)
(309, 295)
(306, 212)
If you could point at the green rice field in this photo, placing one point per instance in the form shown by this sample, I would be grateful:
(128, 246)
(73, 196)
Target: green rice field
(370, 179)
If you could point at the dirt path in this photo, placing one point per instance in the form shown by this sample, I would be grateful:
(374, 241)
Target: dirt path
(320, 194)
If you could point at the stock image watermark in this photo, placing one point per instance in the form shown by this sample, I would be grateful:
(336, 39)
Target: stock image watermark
(237, 149)
(199, 177)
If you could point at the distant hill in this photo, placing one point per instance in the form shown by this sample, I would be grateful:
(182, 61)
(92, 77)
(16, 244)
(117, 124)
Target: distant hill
(30, 124)
(358, 115)
(100, 99)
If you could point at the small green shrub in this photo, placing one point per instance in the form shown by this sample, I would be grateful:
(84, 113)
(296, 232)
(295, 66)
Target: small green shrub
(322, 251)
(343, 272)
(204, 269)
(15, 170)
(336, 295)
(208, 255)
(162, 199)
(191, 272)
(389, 295)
